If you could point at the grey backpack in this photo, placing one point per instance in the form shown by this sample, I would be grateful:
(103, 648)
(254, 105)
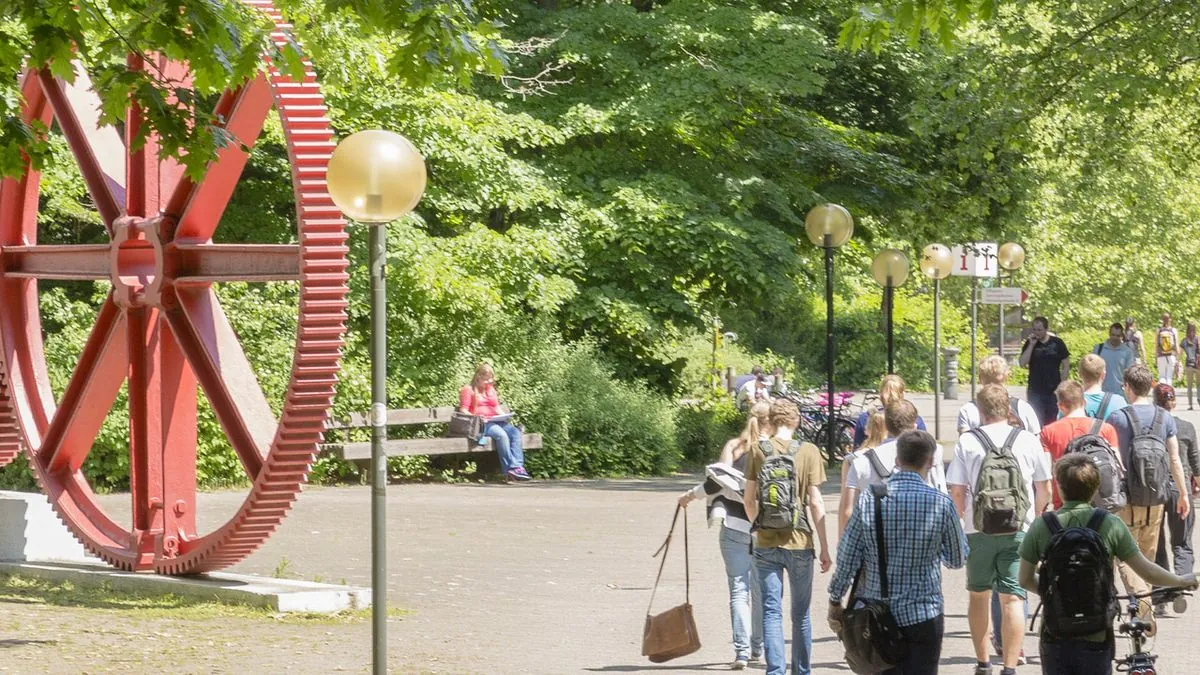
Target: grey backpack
(779, 507)
(1149, 463)
(1111, 495)
(1000, 500)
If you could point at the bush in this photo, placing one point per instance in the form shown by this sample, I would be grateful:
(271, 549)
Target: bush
(704, 426)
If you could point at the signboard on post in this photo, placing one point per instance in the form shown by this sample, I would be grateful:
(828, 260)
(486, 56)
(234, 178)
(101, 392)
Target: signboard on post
(975, 260)
(1003, 296)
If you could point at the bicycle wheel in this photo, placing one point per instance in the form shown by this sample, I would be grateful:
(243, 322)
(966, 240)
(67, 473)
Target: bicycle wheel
(843, 440)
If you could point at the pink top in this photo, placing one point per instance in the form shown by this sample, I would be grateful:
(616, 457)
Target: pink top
(486, 404)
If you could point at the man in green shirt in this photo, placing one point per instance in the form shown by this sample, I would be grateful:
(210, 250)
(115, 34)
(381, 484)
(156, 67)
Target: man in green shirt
(1078, 479)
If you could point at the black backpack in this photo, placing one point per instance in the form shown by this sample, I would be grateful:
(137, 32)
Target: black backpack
(1149, 463)
(1075, 580)
(877, 465)
(1014, 413)
(1111, 495)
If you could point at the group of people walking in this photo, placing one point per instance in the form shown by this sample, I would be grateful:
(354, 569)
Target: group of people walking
(1100, 462)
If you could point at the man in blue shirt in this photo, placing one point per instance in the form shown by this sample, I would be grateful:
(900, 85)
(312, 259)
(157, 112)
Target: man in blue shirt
(921, 533)
(1099, 403)
(1118, 355)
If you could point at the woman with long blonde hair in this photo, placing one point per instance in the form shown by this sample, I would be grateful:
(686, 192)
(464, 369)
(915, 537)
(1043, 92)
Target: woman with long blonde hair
(876, 434)
(723, 487)
(481, 399)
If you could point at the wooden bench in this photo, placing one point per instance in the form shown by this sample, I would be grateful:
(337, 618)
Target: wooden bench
(361, 450)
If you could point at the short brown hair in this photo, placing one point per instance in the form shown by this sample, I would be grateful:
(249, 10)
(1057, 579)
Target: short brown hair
(914, 449)
(899, 417)
(784, 413)
(993, 370)
(1138, 379)
(1092, 369)
(993, 404)
(1069, 394)
(1077, 477)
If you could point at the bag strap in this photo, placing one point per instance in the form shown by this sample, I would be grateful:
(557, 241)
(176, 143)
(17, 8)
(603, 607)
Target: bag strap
(1052, 522)
(1099, 348)
(664, 549)
(984, 440)
(878, 492)
(877, 464)
(1135, 427)
(1010, 441)
(1095, 431)
(1102, 412)
(1157, 423)
(1096, 520)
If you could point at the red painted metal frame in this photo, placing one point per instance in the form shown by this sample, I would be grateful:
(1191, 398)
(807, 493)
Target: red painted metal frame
(162, 328)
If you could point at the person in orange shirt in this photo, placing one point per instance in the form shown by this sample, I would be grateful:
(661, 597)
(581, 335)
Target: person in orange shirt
(1073, 424)
(480, 399)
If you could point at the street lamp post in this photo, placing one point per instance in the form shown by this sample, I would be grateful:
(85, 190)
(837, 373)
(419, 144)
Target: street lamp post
(936, 263)
(1011, 257)
(890, 269)
(829, 226)
(375, 177)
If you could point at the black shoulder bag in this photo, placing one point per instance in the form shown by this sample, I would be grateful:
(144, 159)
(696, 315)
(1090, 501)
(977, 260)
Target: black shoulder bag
(869, 632)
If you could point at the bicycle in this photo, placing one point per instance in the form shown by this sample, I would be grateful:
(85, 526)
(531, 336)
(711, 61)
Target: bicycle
(814, 423)
(1140, 661)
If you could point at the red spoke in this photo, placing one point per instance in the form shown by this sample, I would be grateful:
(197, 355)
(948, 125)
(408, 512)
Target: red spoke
(200, 205)
(86, 262)
(208, 263)
(162, 436)
(92, 146)
(213, 350)
(151, 179)
(90, 394)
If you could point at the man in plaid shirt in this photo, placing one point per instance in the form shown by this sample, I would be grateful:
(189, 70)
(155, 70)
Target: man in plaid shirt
(921, 533)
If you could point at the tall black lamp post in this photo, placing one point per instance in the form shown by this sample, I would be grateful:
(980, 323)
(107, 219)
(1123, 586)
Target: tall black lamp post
(376, 177)
(890, 269)
(829, 226)
(936, 262)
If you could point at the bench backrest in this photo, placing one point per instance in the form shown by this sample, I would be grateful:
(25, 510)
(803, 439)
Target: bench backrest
(403, 417)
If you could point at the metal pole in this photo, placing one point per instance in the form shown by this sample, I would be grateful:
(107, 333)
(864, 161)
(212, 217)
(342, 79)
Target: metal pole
(937, 359)
(1000, 283)
(829, 349)
(378, 263)
(888, 296)
(974, 329)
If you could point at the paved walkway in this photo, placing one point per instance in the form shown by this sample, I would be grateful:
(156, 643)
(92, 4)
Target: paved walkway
(551, 577)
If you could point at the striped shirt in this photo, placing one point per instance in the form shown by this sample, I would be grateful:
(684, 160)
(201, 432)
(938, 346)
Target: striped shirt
(921, 531)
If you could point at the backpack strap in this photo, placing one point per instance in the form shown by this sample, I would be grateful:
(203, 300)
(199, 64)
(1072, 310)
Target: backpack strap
(1135, 427)
(1010, 441)
(1099, 348)
(877, 464)
(1096, 520)
(1052, 522)
(984, 440)
(1157, 423)
(1105, 402)
(878, 492)
(1096, 426)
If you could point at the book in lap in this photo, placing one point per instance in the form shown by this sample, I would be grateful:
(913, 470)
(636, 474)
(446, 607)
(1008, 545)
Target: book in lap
(500, 419)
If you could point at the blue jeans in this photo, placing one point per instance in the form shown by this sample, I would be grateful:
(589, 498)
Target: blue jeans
(506, 438)
(1076, 657)
(745, 598)
(771, 564)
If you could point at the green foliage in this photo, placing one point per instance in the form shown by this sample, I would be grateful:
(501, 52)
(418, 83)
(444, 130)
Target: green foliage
(704, 427)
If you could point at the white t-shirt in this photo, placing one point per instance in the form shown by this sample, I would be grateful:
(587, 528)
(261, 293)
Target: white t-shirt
(968, 417)
(862, 473)
(968, 460)
(749, 394)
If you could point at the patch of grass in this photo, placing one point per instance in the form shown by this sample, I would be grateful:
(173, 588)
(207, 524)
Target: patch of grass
(283, 569)
(31, 591)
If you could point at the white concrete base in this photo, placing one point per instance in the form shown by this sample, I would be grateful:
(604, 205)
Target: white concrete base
(280, 595)
(30, 530)
(35, 543)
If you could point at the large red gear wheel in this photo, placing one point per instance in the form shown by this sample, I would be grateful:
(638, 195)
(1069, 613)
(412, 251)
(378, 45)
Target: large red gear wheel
(162, 328)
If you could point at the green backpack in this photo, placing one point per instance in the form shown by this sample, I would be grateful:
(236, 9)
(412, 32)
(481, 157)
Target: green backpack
(779, 507)
(1001, 500)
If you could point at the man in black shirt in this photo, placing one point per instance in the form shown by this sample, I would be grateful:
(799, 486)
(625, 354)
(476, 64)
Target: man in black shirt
(1049, 363)
(1176, 530)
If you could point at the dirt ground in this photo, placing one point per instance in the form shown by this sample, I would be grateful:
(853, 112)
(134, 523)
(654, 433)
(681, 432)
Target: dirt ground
(551, 577)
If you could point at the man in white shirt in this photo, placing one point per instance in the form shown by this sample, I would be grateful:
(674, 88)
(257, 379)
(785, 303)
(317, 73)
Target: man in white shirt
(875, 465)
(754, 390)
(995, 370)
(993, 564)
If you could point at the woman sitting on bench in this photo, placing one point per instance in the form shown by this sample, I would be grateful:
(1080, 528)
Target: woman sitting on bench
(480, 399)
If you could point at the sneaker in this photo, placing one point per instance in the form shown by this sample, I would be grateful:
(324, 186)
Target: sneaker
(518, 476)
(740, 664)
(1008, 671)
(1021, 658)
(983, 669)
(755, 657)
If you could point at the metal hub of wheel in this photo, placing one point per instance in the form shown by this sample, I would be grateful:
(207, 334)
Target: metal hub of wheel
(162, 328)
